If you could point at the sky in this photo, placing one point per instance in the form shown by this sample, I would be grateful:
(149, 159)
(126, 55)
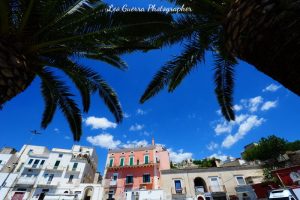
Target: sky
(187, 122)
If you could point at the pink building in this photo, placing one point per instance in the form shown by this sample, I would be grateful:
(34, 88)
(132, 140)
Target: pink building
(133, 169)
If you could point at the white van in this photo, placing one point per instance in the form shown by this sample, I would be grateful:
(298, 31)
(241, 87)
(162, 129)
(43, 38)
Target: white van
(285, 194)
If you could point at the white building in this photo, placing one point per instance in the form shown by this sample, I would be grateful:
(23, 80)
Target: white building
(38, 173)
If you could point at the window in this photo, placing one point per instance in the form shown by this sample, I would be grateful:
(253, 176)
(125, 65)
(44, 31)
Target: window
(178, 188)
(111, 162)
(240, 180)
(19, 169)
(111, 194)
(74, 166)
(121, 161)
(36, 162)
(42, 162)
(115, 176)
(146, 178)
(146, 159)
(60, 155)
(56, 164)
(71, 178)
(50, 178)
(30, 161)
(131, 160)
(129, 179)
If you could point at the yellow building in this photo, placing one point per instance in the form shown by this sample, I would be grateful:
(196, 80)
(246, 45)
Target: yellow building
(187, 183)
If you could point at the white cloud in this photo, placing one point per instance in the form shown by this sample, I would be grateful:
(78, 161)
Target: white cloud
(67, 137)
(140, 112)
(126, 115)
(237, 107)
(56, 130)
(146, 133)
(212, 146)
(247, 125)
(99, 123)
(271, 88)
(104, 140)
(135, 143)
(223, 127)
(268, 105)
(179, 156)
(254, 103)
(136, 127)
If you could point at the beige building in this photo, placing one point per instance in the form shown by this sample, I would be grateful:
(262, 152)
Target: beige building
(187, 183)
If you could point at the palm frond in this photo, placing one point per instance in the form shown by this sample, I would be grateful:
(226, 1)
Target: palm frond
(63, 99)
(174, 71)
(182, 65)
(159, 81)
(113, 60)
(224, 80)
(50, 104)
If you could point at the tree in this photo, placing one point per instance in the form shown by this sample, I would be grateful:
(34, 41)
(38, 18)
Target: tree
(206, 162)
(40, 37)
(267, 148)
(293, 146)
(262, 33)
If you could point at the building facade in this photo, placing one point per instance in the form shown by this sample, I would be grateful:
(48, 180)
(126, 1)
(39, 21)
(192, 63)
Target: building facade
(39, 173)
(187, 183)
(133, 169)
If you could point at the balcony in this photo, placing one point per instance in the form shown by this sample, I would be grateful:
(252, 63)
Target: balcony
(150, 164)
(217, 188)
(178, 193)
(54, 168)
(26, 181)
(175, 191)
(73, 170)
(48, 183)
(113, 183)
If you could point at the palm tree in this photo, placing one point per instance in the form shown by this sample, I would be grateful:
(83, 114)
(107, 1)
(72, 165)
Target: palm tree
(38, 38)
(265, 34)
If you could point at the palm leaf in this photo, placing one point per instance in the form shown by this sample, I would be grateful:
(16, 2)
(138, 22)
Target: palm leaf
(62, 98)
(224, 80)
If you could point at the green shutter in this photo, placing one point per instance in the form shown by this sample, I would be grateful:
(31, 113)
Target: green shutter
(146, 159)
(111, 162)
(131, 161)
(122, 162)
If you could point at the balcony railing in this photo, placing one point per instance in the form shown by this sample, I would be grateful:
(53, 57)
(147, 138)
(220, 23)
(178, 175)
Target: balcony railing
(113, 183)
(48, 183)
(71, 169)
(178, 191)
(134, 165)
(26, 180)
(55, 168)
(217, 188)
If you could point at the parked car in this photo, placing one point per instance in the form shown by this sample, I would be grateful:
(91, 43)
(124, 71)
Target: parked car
(285, 194)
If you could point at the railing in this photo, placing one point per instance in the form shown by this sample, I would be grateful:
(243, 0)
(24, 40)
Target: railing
(113, 183)
(217, 188)
(128, 165)
(175, 191)
(56, 168)
(71, 169)
(49, 183)
(26, 180)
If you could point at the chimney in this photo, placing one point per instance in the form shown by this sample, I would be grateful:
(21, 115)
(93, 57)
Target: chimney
(153, 143)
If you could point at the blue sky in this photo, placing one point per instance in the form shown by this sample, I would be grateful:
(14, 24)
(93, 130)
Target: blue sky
(186, 121)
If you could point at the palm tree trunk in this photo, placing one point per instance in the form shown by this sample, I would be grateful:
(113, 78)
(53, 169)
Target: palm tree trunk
(266, 34)
(15, 77)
